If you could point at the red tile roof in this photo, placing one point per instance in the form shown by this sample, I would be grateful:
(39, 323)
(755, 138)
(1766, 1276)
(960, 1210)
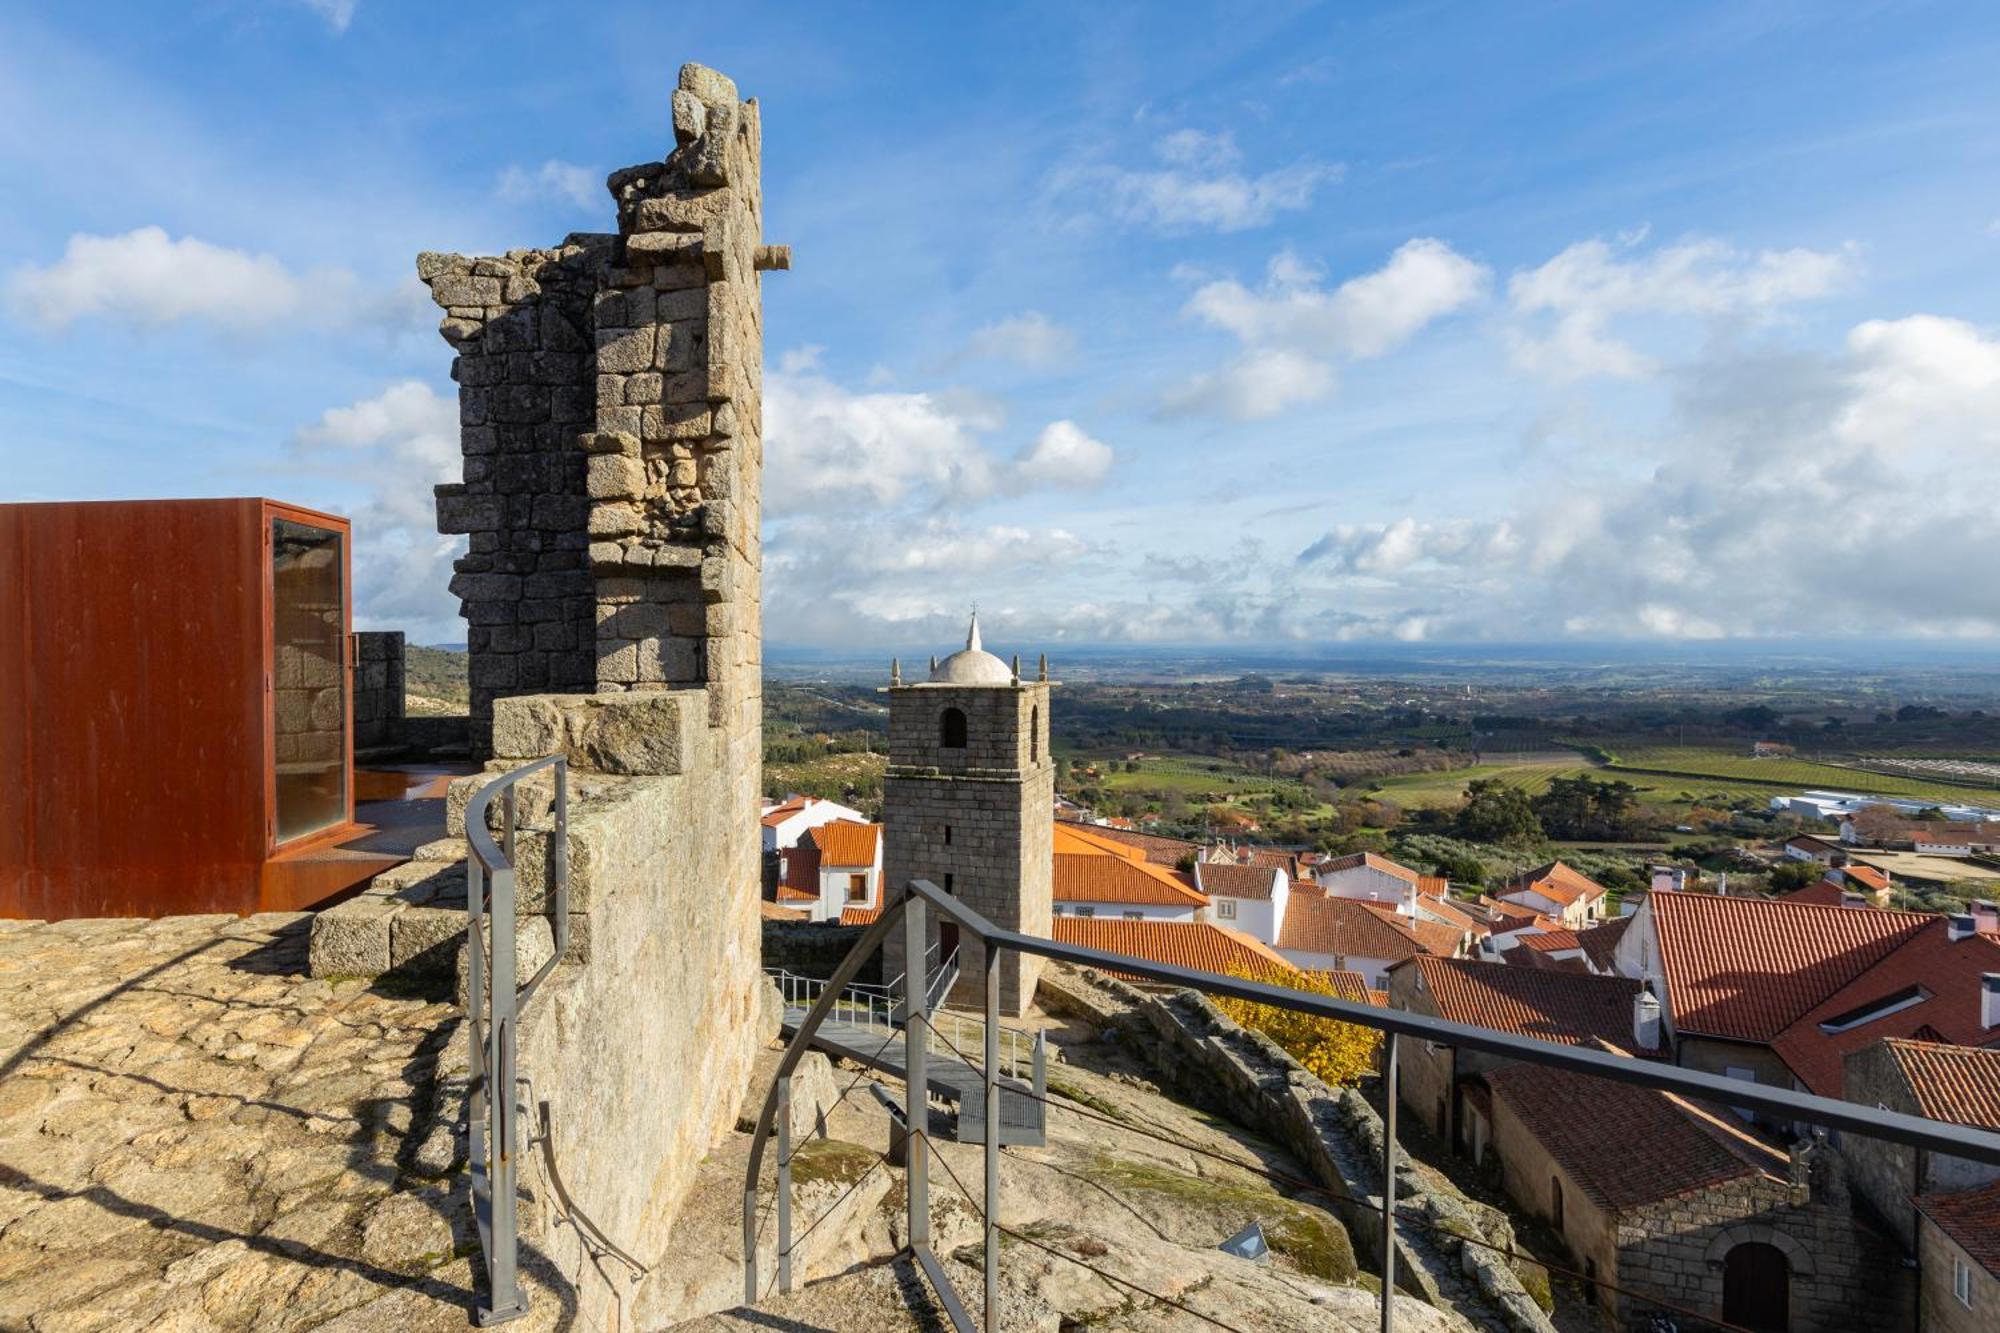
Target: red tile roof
(1747, 968)
(1972, 1218)
(1548, 941)
(1355, 860)
(1960, 1084)
(859, 916)
(1632, 1146)
(1196, 944)
(1559, 883)
(846, 843)
(1867, 876)
(1159, 849)
(1346, 985)
(1094, 869)
(1567, 1008)
(771, 911)
(1600, 942)
(1236, 881)
(1347, 928)
(1450, 913)
(780, 813)
(1824, 893)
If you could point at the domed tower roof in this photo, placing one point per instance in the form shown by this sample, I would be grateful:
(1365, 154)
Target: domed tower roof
(972, 665)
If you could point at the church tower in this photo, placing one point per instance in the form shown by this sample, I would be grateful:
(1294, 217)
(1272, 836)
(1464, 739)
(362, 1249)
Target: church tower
(969, 804)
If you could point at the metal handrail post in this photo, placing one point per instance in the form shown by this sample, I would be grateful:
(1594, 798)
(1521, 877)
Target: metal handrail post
(505, 1299)
(1389, 1185)
(785, 1184)
(991, 1077)
(916, 1088)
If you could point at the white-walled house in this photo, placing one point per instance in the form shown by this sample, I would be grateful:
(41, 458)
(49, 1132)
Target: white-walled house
(1367, 877)
(835, 866)
(1556, 890)
(1249, 898)
(1098, 876)
(792, 818)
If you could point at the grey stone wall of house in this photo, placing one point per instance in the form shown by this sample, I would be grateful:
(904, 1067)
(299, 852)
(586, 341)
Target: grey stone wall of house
(1885, 1175)
(1943, 1312)
(977, 821)
(1216, 1063)
(378, 690)
(610, 393)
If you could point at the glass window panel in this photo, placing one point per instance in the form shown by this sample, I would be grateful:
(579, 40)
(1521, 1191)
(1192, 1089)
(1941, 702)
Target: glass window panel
(308, 677)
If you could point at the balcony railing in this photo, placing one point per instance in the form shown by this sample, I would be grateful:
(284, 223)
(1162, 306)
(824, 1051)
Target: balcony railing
(910, 912)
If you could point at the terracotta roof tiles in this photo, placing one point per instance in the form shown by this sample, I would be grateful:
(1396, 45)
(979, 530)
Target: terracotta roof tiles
(1350, 929)
(1960, 1084)
(1236, 881)
(1971, 1218)
(846, 843)
(1747, 968)
(1567, 1008)
(1196, 944)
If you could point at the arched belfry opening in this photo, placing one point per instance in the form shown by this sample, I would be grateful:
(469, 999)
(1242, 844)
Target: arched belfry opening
(951, 729)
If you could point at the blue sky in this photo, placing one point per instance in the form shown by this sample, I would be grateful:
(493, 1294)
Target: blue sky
(1269, 322)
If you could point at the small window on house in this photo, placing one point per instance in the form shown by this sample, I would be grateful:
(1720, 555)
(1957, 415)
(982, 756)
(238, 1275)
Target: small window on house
(947, 835)
(951, 729)
(947, 882)
(1225, 908)
(1961, 1281)
(1556, 1203)
(857, 888)
(1133, 916)
(1086, 911)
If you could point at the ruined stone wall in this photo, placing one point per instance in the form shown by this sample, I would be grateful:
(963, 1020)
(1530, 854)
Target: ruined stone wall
(378, 689)
(610, 405)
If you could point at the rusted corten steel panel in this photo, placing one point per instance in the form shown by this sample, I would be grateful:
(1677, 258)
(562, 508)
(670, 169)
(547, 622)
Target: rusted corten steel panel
(135, 715)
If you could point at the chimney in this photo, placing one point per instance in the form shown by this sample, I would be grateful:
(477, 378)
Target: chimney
(1646, 1019)
(1989, 1001)
(1960, 927)
(1986, 917)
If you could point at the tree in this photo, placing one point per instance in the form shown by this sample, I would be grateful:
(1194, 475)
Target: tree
(1789, 875)
(1460, 868)
(1337, 1052)
(1586, 809)
(1495, 812)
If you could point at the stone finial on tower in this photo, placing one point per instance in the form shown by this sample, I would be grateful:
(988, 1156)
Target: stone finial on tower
(895, 671)
(933, 664)
(1016, 668)
(1042, 673)
(972, 643)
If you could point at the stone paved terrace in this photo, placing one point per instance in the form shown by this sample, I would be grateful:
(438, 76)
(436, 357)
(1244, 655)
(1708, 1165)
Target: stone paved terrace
(194, 1137)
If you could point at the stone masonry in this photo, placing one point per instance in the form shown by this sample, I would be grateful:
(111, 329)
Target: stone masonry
(610, 404)
(977, 820)
(378, 690)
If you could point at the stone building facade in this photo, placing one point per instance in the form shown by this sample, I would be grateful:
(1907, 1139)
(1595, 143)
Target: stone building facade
(610, 409)
(378, 690)
(969, 804)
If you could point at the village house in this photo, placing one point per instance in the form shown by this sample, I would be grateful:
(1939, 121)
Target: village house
(1806, 847)
(1956, 1084)
(1250, 898)
(1365, 876)
(1323, 934)
(1201, 945)
(834, 870)
(1889, 827)
(1559, 891)
(1569, 1009)
(1096, 876)
(1958, 1257)
(786, 821)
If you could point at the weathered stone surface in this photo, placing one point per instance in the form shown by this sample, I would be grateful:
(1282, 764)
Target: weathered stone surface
(690, 116)
(352, 939)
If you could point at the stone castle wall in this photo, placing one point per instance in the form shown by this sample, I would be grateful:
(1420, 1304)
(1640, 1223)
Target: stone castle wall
(378, 689)
(610, 394)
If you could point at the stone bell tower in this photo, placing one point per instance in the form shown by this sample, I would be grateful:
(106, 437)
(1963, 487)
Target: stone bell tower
(969, 804)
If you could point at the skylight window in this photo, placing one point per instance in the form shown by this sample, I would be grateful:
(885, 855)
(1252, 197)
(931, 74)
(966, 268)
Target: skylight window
(1893, 1002)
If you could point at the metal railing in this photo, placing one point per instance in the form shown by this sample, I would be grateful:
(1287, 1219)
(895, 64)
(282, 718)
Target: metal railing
(911, 911)
(492, 1009)
(865, 1005)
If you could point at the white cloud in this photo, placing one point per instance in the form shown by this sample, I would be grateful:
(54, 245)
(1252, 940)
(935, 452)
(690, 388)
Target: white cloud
(400, 443)
(827, 447)
(555, 180)
(150, 280)
(1293, 329)
(1789, 493)
(1565, 308)
(1062, 455)
(1031, 338)
(1199, 188)
(337, 13)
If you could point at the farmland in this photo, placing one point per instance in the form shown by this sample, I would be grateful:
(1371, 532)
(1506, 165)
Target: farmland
(1707, 766)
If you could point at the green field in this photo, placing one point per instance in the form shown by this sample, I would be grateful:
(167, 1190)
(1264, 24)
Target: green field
(1687, 764)
(1425, 790)
(1189, 776)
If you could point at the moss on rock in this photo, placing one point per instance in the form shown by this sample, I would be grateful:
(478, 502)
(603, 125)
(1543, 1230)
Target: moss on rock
(1310, 1240)
(831, 1160)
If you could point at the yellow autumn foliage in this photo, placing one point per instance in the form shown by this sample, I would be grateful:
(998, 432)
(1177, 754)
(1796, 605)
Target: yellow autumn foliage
(1337, 1052)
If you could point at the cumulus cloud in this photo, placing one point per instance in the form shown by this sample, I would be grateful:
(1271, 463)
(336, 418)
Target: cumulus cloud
(401, 442)
(149, 280)
(1062, 455)
(554, 179)
(1294, 330)
(1790, 493)
(1031, 338)
(828, 446)
(1199, 186)
(1565, 309)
